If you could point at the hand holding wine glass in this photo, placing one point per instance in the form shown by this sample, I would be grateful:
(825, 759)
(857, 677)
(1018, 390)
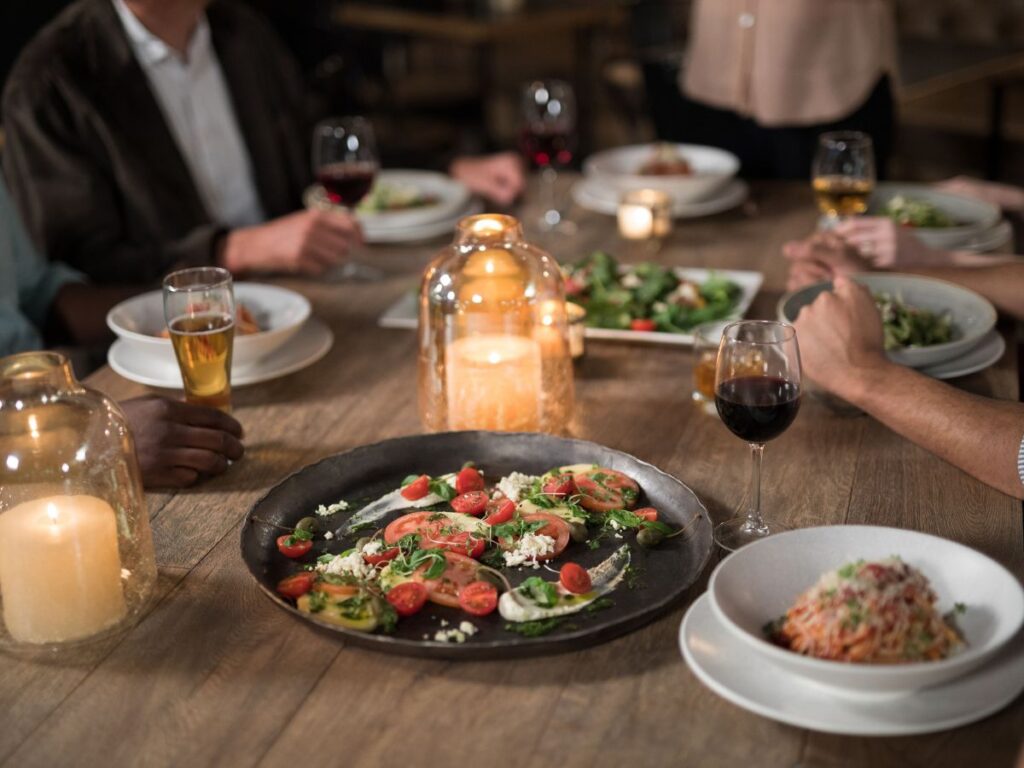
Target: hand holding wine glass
(757, 394)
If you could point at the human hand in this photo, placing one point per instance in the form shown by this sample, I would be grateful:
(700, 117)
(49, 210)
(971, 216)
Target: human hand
(841, 339)
(821, 257)
(884, 243)
(1006, 196)
(179, 443)
(307, 242)
(499, 177)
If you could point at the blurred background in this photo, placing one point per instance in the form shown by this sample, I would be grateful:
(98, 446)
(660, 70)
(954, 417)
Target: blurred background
(444, 75)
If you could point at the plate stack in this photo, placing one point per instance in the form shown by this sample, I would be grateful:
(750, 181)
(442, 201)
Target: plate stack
(723, 641)
(406, 206)
(975, 344)
(711, 186)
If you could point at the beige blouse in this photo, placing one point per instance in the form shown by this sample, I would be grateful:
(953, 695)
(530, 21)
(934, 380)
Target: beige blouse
(788, 62)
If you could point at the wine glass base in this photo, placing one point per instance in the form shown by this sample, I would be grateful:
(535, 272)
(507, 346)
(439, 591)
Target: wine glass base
(738, 532)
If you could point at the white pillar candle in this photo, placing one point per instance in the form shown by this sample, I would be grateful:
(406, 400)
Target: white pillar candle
(60, 571)
(636, 222)
(494, 382)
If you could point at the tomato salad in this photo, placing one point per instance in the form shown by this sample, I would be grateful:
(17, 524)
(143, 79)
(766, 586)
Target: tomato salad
(457, 552)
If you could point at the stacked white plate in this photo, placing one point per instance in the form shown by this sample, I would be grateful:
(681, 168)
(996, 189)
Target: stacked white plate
(710, 189)
(975, 346)
(450, 201)
(290, 341)
(722, 640)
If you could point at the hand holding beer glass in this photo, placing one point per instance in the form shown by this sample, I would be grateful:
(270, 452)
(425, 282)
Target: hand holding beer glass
(199, 307)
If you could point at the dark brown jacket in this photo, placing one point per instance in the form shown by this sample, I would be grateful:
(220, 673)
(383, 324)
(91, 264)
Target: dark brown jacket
(93, 166)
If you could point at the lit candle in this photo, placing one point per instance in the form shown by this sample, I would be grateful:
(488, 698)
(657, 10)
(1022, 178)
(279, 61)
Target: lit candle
(549, 332)
(494, 382)
(60, 571)
(645, 213)
(636, 222)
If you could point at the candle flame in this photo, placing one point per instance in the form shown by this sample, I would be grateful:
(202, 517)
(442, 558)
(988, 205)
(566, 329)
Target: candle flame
(52, 513)
(494, 358)
(33, 426)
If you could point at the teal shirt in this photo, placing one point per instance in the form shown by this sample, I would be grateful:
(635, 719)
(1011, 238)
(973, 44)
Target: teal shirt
(28, 283)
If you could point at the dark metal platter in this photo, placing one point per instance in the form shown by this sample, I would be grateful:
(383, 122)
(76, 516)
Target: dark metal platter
(664, 573)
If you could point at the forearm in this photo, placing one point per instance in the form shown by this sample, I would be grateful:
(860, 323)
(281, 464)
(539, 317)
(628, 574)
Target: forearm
(1002, 284)
(981, 436)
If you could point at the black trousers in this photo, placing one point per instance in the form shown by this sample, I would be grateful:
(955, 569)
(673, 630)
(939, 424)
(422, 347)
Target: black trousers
(769, 153)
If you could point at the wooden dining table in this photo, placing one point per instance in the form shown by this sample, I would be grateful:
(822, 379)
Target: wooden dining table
(215, 674)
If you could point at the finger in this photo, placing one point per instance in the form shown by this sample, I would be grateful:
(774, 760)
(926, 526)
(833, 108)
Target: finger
(215, 440)
(204, 416)
(203, 462)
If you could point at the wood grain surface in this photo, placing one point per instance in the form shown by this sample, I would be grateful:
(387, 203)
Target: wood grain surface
(215, 675)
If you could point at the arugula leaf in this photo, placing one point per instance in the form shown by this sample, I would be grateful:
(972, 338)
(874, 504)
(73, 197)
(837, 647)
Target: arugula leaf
(301, 534)
(543, 593)
(441, 488)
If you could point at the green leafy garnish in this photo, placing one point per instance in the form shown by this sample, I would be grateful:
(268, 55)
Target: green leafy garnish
(537, 627)
(442, 489)
(543, 593)
(600, 604)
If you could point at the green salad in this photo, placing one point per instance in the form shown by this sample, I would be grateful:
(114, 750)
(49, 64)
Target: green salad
(384, 197)
(916, 213)
(906, 326)
(646, 296)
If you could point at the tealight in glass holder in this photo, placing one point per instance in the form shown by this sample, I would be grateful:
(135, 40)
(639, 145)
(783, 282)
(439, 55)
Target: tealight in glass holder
(494, 349)
(645, 215)
(76, 552)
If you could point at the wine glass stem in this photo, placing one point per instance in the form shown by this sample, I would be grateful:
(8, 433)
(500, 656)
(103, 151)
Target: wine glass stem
(754, 520)
(549, 176)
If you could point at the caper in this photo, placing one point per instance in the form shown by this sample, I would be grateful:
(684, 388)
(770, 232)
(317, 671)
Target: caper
(578, 532)
(649, 537)
(310, 524)
(360, 543)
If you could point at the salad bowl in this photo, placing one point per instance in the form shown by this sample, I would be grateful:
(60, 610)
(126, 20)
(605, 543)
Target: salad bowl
(972, 316)
(968, 218)
(666, 572)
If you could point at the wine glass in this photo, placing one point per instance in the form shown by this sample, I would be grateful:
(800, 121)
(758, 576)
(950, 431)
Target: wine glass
(549, 140)
(843, 174)
(345, 163)
(757, 394)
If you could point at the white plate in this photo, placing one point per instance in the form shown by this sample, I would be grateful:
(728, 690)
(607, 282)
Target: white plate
(998, 238)
(727, 667)
(760, 582)
(429, 231)
(594, 195)
(973, 216)
(403, 313)
(311, 343)
(452, 196)
(620, 168)
(988, 352)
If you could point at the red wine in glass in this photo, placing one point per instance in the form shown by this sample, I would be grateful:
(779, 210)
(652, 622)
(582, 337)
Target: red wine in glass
(757, 408)
(346, 183)
(548, 146)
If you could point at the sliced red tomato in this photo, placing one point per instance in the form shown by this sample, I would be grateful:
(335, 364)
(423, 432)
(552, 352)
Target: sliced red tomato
(460, 571)
(555, 527)
(336, 590)
(650, 514)
(469, 479)
(479, 598)
(404, 525)
(381, 557)
(499, 511)
(575, 578)
(464, 543)
(417, 489)
(560, 485)
(408, 597)
(602, 489)
(296, 585)
(291, 547)
(471, 503)
(439, 533)
(642, 324)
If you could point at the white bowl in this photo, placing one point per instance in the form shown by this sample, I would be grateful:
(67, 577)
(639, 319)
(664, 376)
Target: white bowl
(973, 316)
(759, 583)
(281, 312)
(619, 168)
(972, 217)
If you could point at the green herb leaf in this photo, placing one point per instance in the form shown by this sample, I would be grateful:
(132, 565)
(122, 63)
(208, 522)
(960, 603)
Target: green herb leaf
(600, 604)
(543, 593)
(442, 489)
(409, 480)
(534, 628)
(301, 534)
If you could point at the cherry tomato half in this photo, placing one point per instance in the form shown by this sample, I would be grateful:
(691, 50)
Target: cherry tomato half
(650, 514)
(575, 578)
(499, 511)
(290, 547)
(560, 485)
(469, 479)
(381, 557)
(642, 324)
(408, 597)
(417, 489)
(296, 585)
(479, 598)
(471, 503)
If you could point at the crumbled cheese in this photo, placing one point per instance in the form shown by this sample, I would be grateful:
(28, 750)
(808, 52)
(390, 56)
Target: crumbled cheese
(469, 629)
(450, 636)
(325, 510)
(528, 549)
(631, 280)
(512, 485)
(372, 547)
(618, 535)
(328, 535)
(686, 294)
(444, 622)
(614, 525)
(351, 564)
(659, 306)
